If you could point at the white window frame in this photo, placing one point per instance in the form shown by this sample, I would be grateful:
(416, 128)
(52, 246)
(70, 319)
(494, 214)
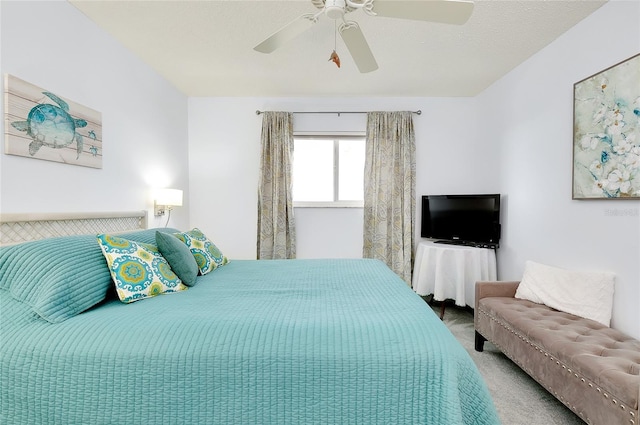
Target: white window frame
(336, 170)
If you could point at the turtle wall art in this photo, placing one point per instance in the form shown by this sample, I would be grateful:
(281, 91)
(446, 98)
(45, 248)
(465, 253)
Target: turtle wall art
(42, 125)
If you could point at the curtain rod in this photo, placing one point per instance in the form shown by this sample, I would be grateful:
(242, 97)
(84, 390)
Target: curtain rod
(258, 112)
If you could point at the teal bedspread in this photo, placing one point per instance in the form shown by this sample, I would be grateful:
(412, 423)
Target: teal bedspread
(255, 342)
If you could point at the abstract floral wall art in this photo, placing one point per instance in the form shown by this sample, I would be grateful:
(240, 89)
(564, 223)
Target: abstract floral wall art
(42, 125)
(606, 133)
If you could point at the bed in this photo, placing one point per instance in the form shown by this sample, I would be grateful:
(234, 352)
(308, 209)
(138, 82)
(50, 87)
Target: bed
(336, 341)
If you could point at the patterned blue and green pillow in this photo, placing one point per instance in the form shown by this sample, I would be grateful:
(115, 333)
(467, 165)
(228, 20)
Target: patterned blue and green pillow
(138, 269)
(206, 253)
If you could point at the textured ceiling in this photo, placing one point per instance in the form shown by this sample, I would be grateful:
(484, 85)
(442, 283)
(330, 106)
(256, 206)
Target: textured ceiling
(205, 48)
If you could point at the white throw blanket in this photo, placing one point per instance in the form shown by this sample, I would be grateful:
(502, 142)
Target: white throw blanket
(585, 294)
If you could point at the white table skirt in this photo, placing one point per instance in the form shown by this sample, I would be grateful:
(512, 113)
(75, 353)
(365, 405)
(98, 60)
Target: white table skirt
(451, 271)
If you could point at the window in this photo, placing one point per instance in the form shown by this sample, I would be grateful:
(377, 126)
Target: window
(328, 171)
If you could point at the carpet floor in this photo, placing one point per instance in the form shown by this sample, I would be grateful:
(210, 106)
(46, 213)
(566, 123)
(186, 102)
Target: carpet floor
(518, 398)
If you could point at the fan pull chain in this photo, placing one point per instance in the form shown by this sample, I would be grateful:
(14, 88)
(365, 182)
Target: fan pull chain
(334, 56)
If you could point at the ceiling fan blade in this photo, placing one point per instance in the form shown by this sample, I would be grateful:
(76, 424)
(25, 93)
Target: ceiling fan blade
(358, 47)
(444, 11)
(286, 33)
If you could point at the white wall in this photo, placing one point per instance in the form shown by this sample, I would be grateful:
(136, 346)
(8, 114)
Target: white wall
(225, 133)
(529, 112)
(144, 118)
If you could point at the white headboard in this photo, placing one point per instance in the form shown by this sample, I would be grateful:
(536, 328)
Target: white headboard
(17, 228)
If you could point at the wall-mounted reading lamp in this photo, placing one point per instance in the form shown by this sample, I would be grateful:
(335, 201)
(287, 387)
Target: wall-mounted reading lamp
(165, 200)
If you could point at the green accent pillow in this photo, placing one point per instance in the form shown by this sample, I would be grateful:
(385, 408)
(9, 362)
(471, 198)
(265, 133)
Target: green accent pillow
(138, 269)
(206, 253)
(179, 257)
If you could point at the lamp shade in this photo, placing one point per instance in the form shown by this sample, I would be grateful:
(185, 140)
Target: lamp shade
(169, 197)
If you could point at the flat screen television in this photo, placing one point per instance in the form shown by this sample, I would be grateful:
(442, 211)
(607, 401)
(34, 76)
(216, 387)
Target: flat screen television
(462, 219)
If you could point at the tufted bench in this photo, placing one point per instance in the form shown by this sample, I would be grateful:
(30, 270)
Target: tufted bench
(593, 369)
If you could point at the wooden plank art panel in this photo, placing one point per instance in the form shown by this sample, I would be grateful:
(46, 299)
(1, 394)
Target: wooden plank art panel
(42, 125)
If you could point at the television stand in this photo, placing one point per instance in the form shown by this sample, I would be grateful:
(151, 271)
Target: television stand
(450, 271)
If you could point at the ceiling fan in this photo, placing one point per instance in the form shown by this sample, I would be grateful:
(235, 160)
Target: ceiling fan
(443, 11)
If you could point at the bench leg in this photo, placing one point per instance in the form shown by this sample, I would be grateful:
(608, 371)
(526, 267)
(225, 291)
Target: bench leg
(479, 346)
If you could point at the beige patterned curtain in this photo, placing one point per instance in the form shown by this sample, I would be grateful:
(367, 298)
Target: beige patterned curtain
(276, 225)
(389, 190)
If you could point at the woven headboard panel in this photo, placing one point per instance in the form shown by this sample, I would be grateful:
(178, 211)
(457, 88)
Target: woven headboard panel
(17, 228)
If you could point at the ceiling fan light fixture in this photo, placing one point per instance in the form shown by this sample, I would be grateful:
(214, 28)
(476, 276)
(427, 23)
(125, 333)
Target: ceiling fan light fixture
(455, 12)
(334, 9)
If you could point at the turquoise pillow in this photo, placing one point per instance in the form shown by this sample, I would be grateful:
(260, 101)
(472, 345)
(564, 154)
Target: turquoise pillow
(138, 270)
(206, 253)
(179, 256)
(59, 277)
